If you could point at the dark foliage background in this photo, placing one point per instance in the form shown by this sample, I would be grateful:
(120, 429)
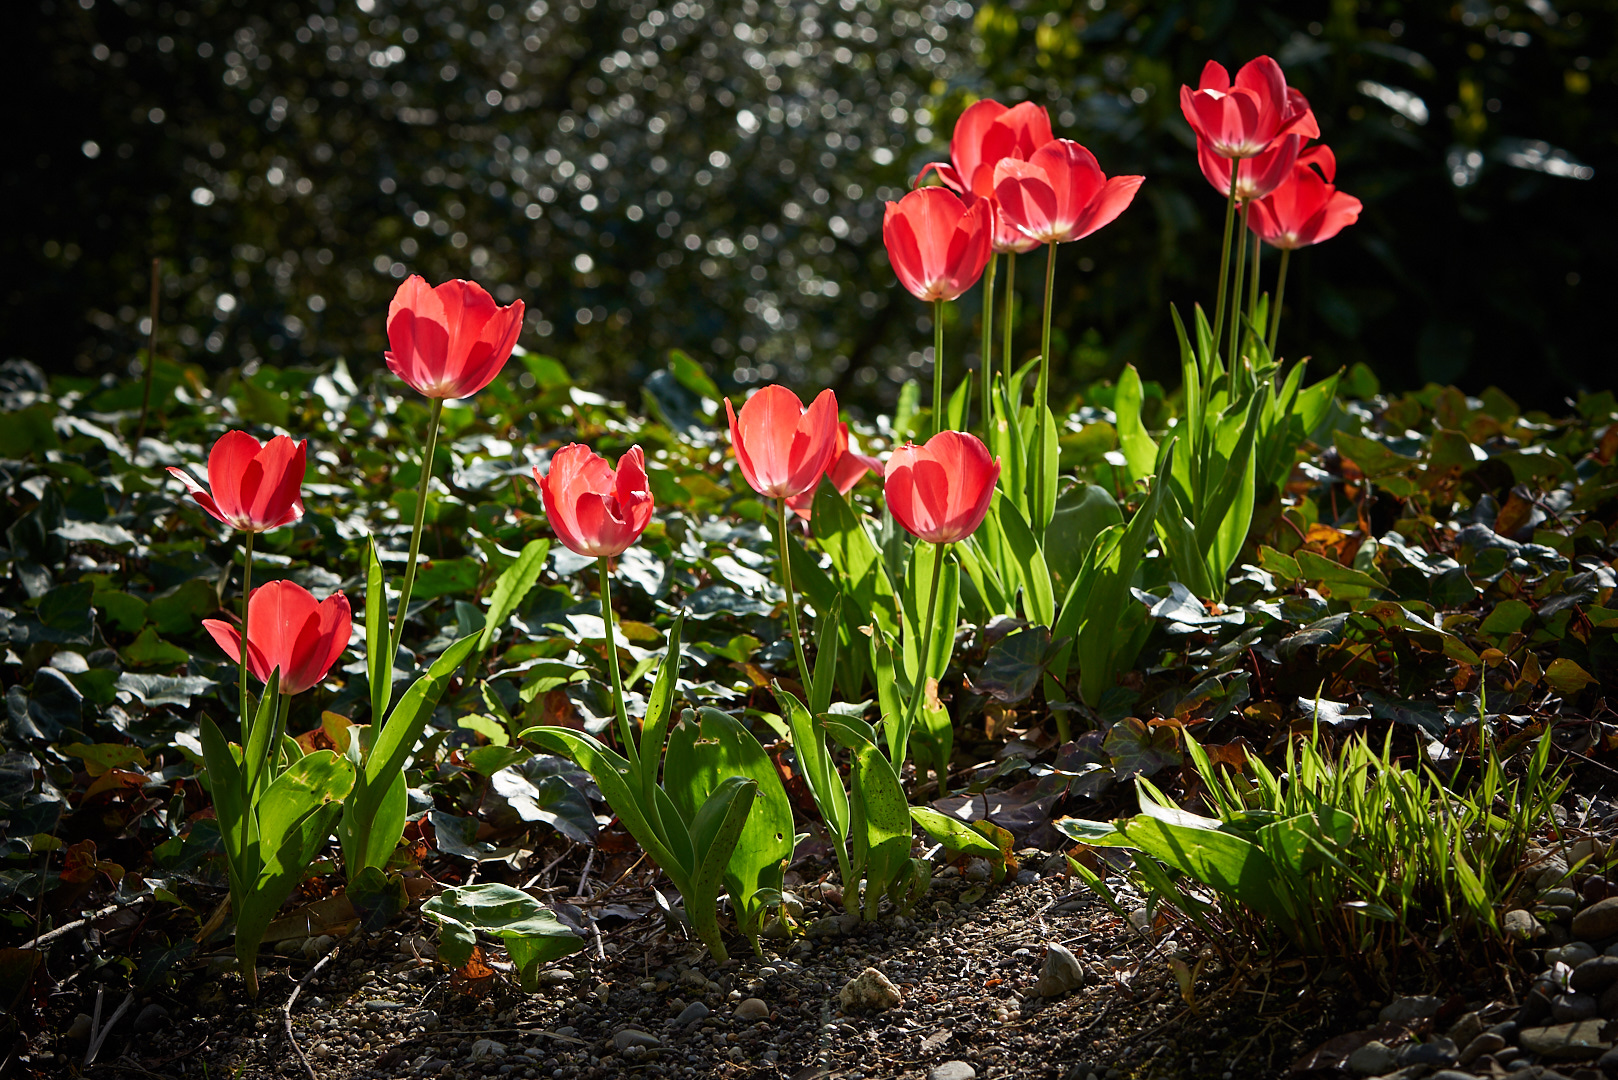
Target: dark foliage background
(709, 175)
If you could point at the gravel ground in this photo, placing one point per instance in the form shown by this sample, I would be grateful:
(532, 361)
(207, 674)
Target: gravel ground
(1026, 979)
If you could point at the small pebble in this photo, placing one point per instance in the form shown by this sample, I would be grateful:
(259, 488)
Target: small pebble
(750, 1010)
(1372, 1059)
(1407, 1009)
(1598, 921)
(1060, 974)
(630, 1037)
(869, 991)
(950, 1070)
(692, 1012)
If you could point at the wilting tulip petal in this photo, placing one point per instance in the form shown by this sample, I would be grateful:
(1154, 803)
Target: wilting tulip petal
(288, 630)
(594, 509)
(937, 244)
(781, 447)
(256, 487)
(450, 341)
(940, 492)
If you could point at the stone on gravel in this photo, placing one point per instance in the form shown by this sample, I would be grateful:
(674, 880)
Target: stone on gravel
(1467, 1028)
(1566, 1008)
(79, 1029)
(1437, 1053)
(1486, 1043)
(319, 945)
(1520, 925)
(1609, 1002)
(691, 1014)
(1372, 1059)
(487, 1050)
(834, 925)
(1061, 974)
(1572, 954)
(1406, 1010)
(150, 1019)
(1565, 1042)
(1450, 1074)
(952, 1070)
(1536, 1007)
(1608, 1062)
(869, 991)
(1595, 974)
(632, 1037)
(752, 1010)
(1599, 920)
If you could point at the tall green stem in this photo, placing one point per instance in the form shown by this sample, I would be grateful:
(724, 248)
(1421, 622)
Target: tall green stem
(1224, 253)
(1252, 294)
(988, 342)
(624, 732)
(1042, 389)
(247, 595)
(901, 744)
(1236, 297)
(1280, 294)
(415, 531)
(792, 602)
(1011, 296)
(938, 366)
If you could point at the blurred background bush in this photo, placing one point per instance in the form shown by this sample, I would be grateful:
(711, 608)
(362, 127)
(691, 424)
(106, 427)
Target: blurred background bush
(709, 175)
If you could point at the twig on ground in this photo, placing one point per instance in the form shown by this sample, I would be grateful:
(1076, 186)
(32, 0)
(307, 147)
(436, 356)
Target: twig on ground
(286, 1011)
(584, 875)
(552, 865)
(602, 892)
(52, 935)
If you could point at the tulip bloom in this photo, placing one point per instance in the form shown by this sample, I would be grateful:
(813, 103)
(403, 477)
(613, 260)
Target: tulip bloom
(595, 510)
(1244, 118)
(289, 631)
(1060, 193)
(449, 341)
(1256, 176)
(986, 133)
(256, 487)
(1305, 210)
(938, 245)
(844, 469)
(940, 492)
(781, 447)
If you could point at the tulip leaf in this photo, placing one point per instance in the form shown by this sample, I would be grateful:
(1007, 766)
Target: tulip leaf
(841, 535)
(378, 664)
(512, 587)
(918, 581)
(1039, 604)
(655, 726)
(882, 845)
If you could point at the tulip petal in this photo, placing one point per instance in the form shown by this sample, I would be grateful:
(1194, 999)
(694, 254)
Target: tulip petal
(813, 443)
(198, 492)
(767, 429)
(228, 463)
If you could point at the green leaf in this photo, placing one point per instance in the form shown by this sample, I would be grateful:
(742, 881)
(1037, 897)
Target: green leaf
(882, 846)
(826, 642)
(149, 650)
(1038, 601)
(815, 763)
(659, 711)
(918, 580)
(1566, 677)
(229, 791)
(1138, 448)
(1508, 617)
(532, 935)
(512, 587)
(842, 536)
(715, 833)
(956, 835)
(1082, 512)
(378, 664)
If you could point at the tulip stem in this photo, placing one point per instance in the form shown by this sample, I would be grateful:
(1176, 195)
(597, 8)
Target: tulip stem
(1011, 296)
(1224, 253)
(1252, 295)
(1236, 292)
(938, 366)
(624, 732)
(988, 344)
(901, 741)
(415, 531)
(1041, 513)
(247, 595)
(1280, 294)
(792, 602)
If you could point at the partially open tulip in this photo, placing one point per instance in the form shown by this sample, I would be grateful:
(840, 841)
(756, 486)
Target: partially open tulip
(289, 630)
(1060, 193)
(1305, 210)
(256, 487)
(1256, 176)
(941, 491)
(1242, 119)
(781, 447)
(938, 245)
(844, 469)
(596, 510)
(986, 133)
(452, 340)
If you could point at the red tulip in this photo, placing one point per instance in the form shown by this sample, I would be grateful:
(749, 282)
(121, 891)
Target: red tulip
(287, 629)
(1245, 118)
(1257, 176)
(256, 487)
(595, 510)
(1060, 193)
(938, 245)
(450, 341)
(940, 492)
(782, 447)
(986, 133)
(844, 469)
(1306, 209)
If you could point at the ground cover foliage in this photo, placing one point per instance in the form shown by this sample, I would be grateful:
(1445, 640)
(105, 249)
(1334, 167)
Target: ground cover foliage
(1438, 560)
